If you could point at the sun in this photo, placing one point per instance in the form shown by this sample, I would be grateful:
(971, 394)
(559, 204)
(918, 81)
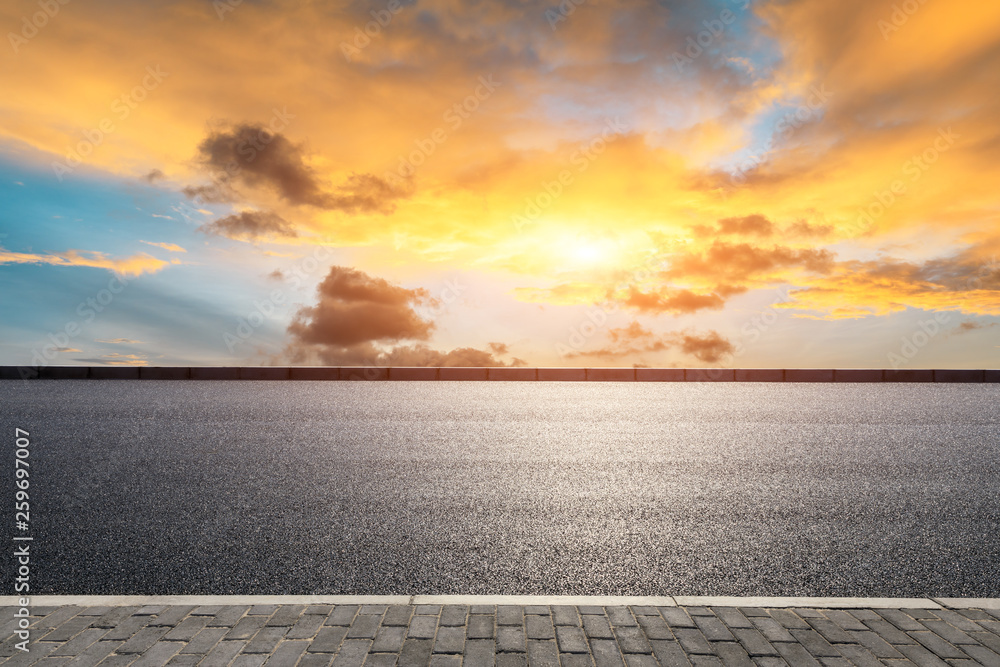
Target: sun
(590, 252)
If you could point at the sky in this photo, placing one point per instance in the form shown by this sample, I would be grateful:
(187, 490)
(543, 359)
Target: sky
(726, 183)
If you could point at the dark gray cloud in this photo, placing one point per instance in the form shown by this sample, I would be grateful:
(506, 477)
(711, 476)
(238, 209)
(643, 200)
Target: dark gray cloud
(249, 225)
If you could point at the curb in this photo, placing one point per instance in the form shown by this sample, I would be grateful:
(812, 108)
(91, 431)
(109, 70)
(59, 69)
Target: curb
(498, 374)
(598, 600)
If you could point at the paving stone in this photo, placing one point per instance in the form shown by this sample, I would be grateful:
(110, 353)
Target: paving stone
(571, 660)
(114, 617)
(949, 632)
(706, 661)
(207, 610)
(415, 653)
(343, 614)
(319, 609)
(754, 642)
(543, 653)
(835, 662)
(286, 616)
(538, 627)
(815, 643)
(699, 611)
(142, 641)
(773, 662)
(399, 614)
(692, 641)
(287, 653)
(172, 615)
(510, 639)
(389, 639)
(752, 611)
(901, 620)
(571, 639)
(620, 616)
(859, 655)
(987, 639)
(597, 627)
(381, 660)
(248, 660)
(262, 610)
(539, 609)
(328, 640)
(127, 628)
(983, 655)
(920, 656)
(94, 654)
(222, 654)
(632, 640)
(864, 614)
(975, 614)
(480, 626)
(84, 611)
(187, 629)
(676, 617)
(771, 629)
(788, 619)
(654, 627)
(80, 642)
(184, 660)
(422, 627)
(807, 613)
(878, 646)
(266, 640)
(205, 641)
(844, 620)
(606, 653)
(732, 617)
(479, 652)
(246, 627)
(353, 652)
(565, 614)
(158, 654)
(427, 609)
(150, 610)
(315, 660)
(889, 632)
(483, 609)
(796, 655)
(639, 660)
(713, 629)
(446, 661)
(68, 629)
(373, 609)
(454, 614)
(830, 631)
(956, 619)
(365, 627)
(732, 654)
(920, 614)
(590, 609)
(306, 627)
(669, 654)
(510, 614)
(643, 610)
(936, 645)
(450, 640)
(227, 617)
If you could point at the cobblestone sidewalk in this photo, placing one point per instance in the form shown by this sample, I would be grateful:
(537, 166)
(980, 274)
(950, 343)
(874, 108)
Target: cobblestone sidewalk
(505, 636)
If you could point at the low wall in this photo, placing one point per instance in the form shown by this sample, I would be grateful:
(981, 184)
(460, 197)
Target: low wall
(401, 374)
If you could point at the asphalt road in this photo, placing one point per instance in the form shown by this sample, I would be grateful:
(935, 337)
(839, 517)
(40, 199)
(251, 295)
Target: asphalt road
(534, 488)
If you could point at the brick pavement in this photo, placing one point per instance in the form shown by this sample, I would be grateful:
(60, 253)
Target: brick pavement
(454, 635)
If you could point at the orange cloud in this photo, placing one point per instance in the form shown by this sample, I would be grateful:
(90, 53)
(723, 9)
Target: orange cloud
(134, 265)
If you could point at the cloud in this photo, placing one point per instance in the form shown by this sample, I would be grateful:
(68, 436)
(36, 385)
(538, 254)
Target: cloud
(154, 176)
(255, 157)
(672, 301)
(359, 317)
(134, 265)
(172, 247)
(756, 225)
(972, 325)
(118, 341)
(636, 342)
(250, 225)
